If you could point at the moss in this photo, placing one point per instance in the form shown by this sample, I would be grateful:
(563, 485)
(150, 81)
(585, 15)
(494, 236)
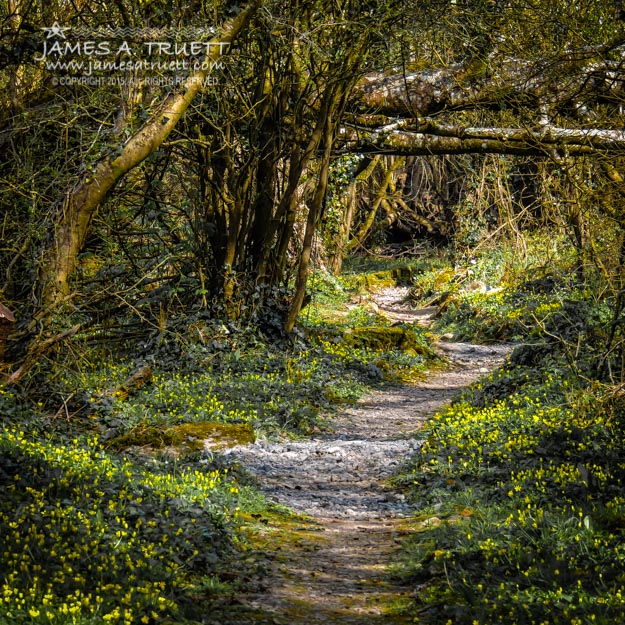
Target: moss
(384, 279)
(476, 68)
(384, 339)
(444, 279)
(187, 437)
(296, 548)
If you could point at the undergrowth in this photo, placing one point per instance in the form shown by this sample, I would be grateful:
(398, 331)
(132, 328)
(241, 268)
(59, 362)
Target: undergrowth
(110, 515)
(90, 537)
(518, 487)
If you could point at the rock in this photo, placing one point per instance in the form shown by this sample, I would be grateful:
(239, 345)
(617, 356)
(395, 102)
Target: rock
(433, 521)
(340, 475)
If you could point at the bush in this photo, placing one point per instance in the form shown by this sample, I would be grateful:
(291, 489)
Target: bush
(86, 537)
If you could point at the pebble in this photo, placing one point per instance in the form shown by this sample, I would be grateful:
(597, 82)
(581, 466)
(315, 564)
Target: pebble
(326, 478)
(342, 475)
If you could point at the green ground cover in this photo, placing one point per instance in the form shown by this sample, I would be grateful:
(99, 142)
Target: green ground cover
(88, 537)
(109, 512)
(518, 487)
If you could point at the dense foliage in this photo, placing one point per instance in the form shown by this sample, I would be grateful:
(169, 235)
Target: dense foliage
(519, 482)
(142, 229)
(87, 537)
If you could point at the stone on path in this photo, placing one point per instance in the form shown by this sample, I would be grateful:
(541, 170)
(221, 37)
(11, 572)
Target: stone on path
(338, 575)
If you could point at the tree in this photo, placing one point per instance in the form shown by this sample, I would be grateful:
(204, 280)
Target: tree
(470, 85)
(86, 195)
(152, 199)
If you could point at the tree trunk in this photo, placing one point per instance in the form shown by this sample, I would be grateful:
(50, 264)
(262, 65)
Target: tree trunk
(335, 262)
(314, 211)
(82, 202)
(345, 227)
(365, 228)
(496, 82)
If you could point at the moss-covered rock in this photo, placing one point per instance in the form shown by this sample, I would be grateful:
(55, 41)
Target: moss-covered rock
(385, 338)
(383, 279)
(187, 437)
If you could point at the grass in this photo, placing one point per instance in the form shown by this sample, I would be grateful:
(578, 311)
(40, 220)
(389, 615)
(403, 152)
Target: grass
(518, 487)
(101, 523)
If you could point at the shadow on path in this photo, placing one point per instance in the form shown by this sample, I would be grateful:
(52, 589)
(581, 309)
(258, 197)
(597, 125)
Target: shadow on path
(335, 568)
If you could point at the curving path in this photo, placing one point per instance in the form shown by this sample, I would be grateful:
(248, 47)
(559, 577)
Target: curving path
(336, 569)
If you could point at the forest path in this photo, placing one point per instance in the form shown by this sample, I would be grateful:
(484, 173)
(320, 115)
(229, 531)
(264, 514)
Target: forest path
(333, 567)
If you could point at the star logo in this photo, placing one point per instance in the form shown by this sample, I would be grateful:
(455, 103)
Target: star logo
(56, 30)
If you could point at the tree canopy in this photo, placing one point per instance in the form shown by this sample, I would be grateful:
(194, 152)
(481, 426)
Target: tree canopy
(130, 191)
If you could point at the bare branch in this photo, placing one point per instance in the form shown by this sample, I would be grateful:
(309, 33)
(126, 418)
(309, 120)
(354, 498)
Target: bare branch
(436, 138)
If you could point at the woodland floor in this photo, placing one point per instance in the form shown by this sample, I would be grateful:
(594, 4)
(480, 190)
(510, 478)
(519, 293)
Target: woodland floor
(333, 565)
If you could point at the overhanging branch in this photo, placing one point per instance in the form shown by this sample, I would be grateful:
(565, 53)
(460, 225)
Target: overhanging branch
(431, 138)
(574, 78)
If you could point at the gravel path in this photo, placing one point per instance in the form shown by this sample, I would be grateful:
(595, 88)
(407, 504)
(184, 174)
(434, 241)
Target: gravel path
(337, 572)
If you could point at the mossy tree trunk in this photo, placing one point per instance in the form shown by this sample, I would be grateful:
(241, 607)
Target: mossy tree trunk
(339, 244)
(82, 202)
(393, 165)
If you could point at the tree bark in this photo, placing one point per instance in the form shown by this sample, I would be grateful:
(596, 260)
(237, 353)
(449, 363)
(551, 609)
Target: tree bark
(572, 78)
(326, 127)
(345, 227)
(82, 202)
(431, 137)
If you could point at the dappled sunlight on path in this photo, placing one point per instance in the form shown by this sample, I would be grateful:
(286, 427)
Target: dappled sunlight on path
(336, 569)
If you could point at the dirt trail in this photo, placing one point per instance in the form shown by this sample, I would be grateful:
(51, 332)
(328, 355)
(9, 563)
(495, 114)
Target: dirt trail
(334, 567)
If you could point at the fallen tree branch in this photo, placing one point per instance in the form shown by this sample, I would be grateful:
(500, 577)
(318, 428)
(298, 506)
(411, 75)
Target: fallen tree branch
(131, 385)
(36, 351)
(573, 78)
(436, 138)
